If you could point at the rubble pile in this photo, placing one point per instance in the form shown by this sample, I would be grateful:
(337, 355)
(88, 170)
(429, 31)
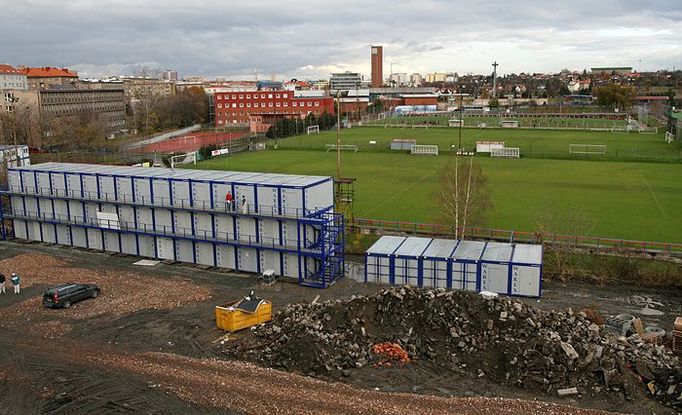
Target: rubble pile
(502, 339)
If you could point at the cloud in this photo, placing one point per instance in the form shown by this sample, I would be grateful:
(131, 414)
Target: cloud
(310, 40)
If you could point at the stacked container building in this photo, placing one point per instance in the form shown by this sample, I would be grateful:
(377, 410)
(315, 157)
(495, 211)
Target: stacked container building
(284, 223)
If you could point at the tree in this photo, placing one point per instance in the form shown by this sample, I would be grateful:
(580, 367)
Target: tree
(494, 103)
(377, 105)
(615, 96)
(463, 196)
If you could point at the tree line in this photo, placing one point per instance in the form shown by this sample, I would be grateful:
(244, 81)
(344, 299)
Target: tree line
(286, 127)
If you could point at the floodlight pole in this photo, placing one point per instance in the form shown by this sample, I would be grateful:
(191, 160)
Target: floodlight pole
(338, 135)
(461, 118)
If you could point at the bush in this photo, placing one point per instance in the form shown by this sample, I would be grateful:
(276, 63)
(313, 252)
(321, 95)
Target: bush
(205, 151)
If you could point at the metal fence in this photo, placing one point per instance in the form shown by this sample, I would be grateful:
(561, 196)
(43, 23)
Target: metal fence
(589, 242)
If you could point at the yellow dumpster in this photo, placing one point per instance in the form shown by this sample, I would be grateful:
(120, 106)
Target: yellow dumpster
(242, 314)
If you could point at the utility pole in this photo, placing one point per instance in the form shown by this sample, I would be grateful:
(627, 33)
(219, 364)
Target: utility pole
(461, 117)
(338, 134)
(495, 79)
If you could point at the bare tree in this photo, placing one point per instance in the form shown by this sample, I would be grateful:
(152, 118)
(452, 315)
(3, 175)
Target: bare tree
(146, 93)
(463, 195)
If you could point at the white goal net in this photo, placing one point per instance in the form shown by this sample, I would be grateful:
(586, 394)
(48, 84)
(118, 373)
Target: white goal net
(513, 152)
(424, 149)
(597, 149)
(313, 129)
(187, 158)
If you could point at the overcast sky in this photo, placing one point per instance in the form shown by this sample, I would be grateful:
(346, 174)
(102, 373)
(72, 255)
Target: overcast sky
(310, 39)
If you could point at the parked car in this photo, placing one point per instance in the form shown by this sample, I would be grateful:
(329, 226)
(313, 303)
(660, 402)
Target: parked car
(66, 295)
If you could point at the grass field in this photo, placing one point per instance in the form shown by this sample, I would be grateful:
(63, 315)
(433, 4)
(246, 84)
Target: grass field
(494, 121)
(632, 200)
(533, 143)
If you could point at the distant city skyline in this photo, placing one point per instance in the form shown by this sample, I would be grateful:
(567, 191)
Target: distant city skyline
(230, 39)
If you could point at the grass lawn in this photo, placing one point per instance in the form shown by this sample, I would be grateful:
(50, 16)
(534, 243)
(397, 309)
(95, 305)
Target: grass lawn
(494, 121)
(533, 143)
(632, 200)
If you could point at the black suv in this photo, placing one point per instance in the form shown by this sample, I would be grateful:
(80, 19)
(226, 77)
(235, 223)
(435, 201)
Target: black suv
(66, 294)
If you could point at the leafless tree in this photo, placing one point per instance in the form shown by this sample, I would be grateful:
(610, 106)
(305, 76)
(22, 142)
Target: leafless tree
(463, 195)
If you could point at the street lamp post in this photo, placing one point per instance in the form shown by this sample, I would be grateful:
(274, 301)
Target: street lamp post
(461, 118)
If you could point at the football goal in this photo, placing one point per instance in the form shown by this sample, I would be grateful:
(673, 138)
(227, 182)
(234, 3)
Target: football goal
(512, 152)
(313, 129)
(594, 149)
(424, 149)
(187, 158)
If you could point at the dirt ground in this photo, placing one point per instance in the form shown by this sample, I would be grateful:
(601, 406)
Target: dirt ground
(148, 345)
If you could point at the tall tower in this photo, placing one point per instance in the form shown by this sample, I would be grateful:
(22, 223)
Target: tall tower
(495, 79)
(377, 58)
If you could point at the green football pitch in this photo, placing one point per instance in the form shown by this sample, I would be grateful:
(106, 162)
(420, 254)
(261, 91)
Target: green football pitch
(621, 199)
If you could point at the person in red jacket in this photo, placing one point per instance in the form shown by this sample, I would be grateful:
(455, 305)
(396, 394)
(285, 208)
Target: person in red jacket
(228, 201)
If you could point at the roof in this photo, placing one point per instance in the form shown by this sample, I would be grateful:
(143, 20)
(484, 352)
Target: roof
(497, 252)
(386, 245)
(4, 68)
(413, 246)
(48, 72)
(527, 254)
(248, 178)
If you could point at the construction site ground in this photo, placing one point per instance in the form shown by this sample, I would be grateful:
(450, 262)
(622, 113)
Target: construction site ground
(149, 344)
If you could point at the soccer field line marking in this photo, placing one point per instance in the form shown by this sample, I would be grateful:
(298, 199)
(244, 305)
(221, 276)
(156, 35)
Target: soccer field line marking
(421, 179)
(653, 195)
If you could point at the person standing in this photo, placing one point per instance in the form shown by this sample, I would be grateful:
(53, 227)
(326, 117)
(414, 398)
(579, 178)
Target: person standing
(228, 201)
(2, 283)
(245, 208)
(16, 281)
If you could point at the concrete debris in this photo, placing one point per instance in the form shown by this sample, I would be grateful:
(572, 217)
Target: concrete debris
(510, 342)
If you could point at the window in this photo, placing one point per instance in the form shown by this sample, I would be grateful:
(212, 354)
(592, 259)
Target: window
(286, 104)
(317, 103)
(241, 96)
(248, 105)
(278, 104)
(310, 104)
(270, 104)
(270, 96)
(220, 97)
(295, 104)
(220, 105)
(277, 95)
(248, 96)
(241, 105)
(220, 121)
(234, 97)
(234, 105)
(262, 96)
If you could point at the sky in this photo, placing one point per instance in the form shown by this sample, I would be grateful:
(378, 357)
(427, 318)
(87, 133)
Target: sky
(311, 39)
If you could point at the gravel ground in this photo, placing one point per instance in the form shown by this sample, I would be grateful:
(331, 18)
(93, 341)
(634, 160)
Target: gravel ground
(122, 292)
(249, 389)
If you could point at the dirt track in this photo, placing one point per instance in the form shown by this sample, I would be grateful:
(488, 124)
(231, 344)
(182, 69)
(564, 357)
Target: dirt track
(151, 357)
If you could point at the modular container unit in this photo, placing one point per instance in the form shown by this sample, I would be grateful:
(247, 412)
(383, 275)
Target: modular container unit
(526, 270)
(437, 265)
(281, 222)
(380, 259)
(495, 268)
(465, 267)
(511, 269)
(408, 266)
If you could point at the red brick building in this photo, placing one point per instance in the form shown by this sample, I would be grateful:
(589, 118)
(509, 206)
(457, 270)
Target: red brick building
(235, 107)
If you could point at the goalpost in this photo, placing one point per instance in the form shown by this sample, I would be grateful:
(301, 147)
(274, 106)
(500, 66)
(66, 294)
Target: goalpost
(513, 152)
(313, 129)
(424, 149)
(595, 149)
(187, 158)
